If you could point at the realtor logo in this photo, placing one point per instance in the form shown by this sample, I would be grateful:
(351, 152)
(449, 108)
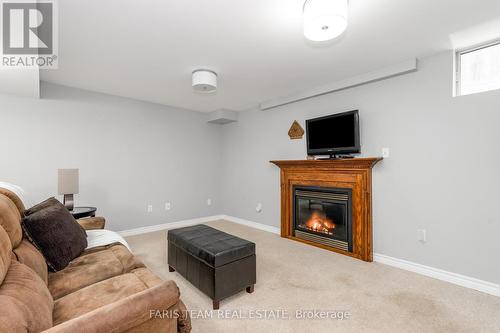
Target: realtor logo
(29, 32)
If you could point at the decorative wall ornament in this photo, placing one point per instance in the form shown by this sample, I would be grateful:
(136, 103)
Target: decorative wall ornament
(296, 131)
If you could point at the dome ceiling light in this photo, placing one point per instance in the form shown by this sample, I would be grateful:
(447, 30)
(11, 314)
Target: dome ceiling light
(204, 81)
(324, 19)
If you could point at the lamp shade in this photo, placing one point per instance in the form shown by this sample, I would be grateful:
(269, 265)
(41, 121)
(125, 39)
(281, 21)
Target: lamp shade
(68, 181)
(325, 19)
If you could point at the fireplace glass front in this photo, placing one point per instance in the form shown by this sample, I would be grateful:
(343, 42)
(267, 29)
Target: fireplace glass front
(323, 215)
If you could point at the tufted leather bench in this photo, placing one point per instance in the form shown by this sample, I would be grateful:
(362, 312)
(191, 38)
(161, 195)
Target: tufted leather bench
(217, 263)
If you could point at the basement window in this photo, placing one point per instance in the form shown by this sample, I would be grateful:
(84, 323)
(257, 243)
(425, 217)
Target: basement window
(478, 69)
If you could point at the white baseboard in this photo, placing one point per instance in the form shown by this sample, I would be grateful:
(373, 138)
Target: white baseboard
(458, 279)
(186, 223)
(255, 225)
(170, 225)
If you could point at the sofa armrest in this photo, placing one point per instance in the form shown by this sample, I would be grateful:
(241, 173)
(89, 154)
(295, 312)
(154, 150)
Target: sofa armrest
(124, 314)
(92, 223)
(184, 321)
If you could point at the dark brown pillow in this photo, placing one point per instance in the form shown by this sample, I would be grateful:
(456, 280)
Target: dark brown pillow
(56, 234)
(44, 204)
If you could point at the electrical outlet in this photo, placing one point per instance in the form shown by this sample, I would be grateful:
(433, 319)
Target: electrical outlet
(209, 202)
(258, 209)
(168, 206)
(422, 235)
(386, 152)
(150, 208)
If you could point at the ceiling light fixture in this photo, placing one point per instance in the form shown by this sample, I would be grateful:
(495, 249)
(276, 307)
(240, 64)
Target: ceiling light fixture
(324, 19)
(204, 81)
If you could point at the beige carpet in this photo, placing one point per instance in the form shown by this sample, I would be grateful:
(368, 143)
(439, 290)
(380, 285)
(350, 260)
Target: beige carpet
(292, 276)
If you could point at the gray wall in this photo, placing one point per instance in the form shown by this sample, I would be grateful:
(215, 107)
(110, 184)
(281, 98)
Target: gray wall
(442, 174)
(130, 154)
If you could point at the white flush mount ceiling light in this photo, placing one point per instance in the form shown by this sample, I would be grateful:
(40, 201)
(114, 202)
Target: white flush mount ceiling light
(324, 19)
(204, 81)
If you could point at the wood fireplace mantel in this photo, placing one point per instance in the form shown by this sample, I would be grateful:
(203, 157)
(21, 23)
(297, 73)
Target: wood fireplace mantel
(354, 174)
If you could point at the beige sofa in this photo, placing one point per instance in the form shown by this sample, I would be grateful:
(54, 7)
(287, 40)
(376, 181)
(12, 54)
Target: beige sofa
(106, 289)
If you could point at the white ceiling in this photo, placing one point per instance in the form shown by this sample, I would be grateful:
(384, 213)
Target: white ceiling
(147, 49)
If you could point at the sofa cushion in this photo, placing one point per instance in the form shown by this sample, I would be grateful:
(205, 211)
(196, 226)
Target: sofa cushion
(27, 254)
(103, 293)
(5, 253)
(10, 220)
(57, 235)
(92, 267)
(13, 196)
(25, 302)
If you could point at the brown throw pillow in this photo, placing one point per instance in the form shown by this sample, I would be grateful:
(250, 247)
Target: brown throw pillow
(56, 234)
(44, 204)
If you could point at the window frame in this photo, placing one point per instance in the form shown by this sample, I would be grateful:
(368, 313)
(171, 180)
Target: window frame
(458, 62)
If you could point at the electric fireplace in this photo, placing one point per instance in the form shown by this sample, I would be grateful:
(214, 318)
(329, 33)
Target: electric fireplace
(339, 192)
(323, 215)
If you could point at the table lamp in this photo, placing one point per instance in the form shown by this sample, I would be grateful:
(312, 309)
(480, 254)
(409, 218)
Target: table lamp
(68, 185)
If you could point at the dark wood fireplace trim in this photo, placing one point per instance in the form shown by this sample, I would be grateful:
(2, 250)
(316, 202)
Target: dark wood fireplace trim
(354, 174)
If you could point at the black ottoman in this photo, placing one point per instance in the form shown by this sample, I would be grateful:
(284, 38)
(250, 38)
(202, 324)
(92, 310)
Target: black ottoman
(218, 264)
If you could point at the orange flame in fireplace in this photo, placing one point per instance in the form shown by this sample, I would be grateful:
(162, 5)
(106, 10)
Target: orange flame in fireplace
(320, 223)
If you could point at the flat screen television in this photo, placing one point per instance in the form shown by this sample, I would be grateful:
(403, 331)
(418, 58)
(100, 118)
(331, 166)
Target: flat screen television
(334, 134)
